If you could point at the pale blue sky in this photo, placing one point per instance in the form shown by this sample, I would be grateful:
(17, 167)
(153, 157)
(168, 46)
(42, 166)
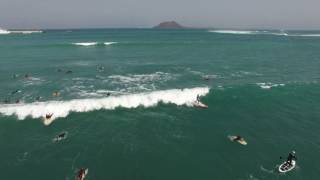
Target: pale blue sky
(277, 14)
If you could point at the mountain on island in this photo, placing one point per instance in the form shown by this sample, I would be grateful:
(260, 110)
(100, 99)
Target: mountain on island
(169, 25)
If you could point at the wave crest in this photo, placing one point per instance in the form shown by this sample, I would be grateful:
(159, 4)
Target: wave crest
(85, 44)
(93, 43)
(61, 109)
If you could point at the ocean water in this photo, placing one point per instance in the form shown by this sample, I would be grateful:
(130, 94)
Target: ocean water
(126, 101)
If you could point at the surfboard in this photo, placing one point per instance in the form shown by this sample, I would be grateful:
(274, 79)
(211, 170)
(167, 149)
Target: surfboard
(199, 104)
(286, 167)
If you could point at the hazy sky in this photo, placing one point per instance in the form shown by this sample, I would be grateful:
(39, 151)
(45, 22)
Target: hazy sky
(279, 14)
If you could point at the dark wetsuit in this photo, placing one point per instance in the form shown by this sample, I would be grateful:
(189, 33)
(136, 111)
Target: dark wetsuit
(81, 173)
(48, 116)
(290, 158)
(238, 138)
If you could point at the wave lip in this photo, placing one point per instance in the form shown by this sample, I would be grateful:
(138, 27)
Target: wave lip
(85, 43)
(61, 109)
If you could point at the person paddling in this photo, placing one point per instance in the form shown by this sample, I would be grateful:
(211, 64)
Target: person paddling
(291, 157)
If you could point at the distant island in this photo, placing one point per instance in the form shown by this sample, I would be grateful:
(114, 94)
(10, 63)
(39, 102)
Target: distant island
(169, 25)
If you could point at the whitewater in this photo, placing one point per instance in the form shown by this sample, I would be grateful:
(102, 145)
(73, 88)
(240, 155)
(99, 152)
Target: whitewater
(61, 109)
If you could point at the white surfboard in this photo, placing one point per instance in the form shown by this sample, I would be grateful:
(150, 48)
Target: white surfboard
(199, 104)
(286, 167)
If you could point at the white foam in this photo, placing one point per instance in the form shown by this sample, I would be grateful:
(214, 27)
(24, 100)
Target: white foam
(86, 43)
(306, 35)
(3, 31)
(268, 85)
(234, 31)
(63, 108)
(135, 78)
(109, 43)
(27, 32)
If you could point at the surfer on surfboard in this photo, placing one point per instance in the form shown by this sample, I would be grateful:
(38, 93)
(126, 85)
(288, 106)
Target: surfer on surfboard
(82, 174)
(48, 116)
(198, 103)
(238, 139)
(289, 164)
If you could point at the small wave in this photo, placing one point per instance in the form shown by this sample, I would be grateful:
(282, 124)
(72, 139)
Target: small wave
(305, 35)
(61, 109)
(268, 85)
(93, 43)
(27, 32)
(249, 32)
(86, 43)
(234, 32)
(3, 31)
(109, 43)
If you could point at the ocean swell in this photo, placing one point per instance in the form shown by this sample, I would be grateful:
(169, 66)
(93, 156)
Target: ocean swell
(61, 109)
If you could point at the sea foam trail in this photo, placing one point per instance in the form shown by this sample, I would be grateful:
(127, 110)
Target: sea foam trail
(63, 108)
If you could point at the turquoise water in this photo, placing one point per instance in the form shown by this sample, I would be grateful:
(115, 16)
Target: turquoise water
(127, 105)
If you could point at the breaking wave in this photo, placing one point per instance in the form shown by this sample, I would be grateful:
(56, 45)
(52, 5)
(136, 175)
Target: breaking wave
(93, 43)
(233, 32)
(85, 44)
(3, 31)
(260, 32)
(61, 109)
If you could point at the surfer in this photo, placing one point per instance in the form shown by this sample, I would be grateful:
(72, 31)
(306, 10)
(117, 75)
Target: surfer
(15, 76)
(27, 76)
(81, 174)
(48, 116)
(6, 101)
(56, 94)
(291, 157)
(60, 136)
(198, 98)
(14, 92)
(68, 72)
(100, 68)
(237, 138)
